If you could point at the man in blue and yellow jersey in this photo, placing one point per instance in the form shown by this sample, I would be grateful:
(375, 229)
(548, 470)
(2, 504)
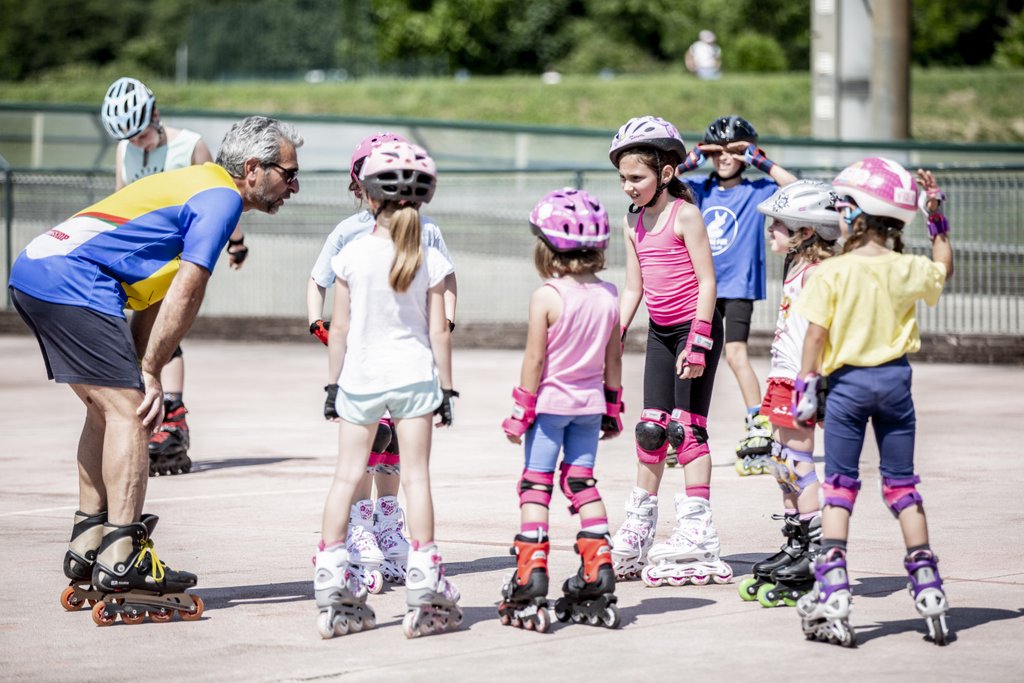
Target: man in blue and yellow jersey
(150, 247)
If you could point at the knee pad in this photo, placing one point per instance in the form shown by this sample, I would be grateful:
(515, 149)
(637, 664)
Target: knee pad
(652, 436)
(694, 443)
(535, 487)
(785, 460)
(840, 491)
(382, 440)
(900, 493)
(578, 485)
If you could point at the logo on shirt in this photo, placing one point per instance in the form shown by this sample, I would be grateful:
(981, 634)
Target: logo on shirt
(722, 227)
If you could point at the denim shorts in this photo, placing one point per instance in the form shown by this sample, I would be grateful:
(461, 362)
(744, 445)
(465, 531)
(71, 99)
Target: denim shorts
(412, 400)
(574, 436)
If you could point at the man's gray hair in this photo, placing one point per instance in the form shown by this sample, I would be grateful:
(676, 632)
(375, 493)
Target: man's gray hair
(256, 137)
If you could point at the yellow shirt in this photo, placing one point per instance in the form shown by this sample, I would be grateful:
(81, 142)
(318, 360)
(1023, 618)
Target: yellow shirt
(867, 304)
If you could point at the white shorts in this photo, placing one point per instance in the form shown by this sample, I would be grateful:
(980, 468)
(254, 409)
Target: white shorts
(412, 400)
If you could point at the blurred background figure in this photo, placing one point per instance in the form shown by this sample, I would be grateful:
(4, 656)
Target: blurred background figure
(704, 57)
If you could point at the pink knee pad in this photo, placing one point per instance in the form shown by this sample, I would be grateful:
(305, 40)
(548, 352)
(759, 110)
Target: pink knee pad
(900, 493)
(535, 487)
(840, 491)
(652, 436)
(695, 436)
(578, 485)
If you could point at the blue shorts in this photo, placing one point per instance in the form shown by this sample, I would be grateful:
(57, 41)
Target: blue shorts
(80, 345)
(549, 435)
(882, 395)
(412, 400)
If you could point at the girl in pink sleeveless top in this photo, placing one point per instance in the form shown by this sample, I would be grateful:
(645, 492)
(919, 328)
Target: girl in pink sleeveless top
(668, 266)
(569, 397)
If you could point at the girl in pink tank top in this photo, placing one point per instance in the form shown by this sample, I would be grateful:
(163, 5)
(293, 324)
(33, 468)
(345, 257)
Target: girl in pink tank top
(668, 266)
(568, 398)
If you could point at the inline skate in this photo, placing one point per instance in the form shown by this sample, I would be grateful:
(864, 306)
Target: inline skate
(168, 447)
(925, 588)
(691, 553)
(432, 599)
(340, 595)
(589, 594)
(365, 555)
(133, 581)
(792, 580)
(86, 536)
(636, 535)
(788, 553)
(524, 601)
(825, 610)
(753, 454)
(387, 529)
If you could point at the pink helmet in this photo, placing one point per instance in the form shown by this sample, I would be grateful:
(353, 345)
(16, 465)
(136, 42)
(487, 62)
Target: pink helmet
(647, 131)
(881, 187)
(399, 171)
(362, 150)
(569, 220)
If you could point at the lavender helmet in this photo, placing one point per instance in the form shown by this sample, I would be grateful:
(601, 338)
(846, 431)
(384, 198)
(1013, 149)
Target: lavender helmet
(127, 108)
(399, 171)
(363, 149)
(570, 220)
(881, 187)
(805, 204)
(646, 131)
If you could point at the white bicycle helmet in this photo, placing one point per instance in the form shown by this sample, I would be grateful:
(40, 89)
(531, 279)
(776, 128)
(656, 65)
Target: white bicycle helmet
(805, 204)
(399, 171)
(646, 131)
(127, 108)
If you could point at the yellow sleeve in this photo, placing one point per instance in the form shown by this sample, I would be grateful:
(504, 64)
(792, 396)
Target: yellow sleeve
(817, 300)
(932, 280)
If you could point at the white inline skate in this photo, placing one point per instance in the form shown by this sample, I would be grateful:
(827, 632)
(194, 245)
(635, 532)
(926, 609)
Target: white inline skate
(364, 553)
(925, 588)
(691, 553)
(340, 595)
(432, 599)
(636, 535)
(388, 530)
(825, 610)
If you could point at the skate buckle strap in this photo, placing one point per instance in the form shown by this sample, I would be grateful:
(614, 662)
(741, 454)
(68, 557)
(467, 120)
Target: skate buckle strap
(157, 567)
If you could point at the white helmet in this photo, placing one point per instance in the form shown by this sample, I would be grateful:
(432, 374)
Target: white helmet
(127, 108)
(805, 204)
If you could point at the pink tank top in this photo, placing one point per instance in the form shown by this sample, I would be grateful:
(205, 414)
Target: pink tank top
(670, 286)
(572, 382)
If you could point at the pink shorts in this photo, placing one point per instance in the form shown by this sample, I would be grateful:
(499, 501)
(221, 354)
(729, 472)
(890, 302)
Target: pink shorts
(778, 401)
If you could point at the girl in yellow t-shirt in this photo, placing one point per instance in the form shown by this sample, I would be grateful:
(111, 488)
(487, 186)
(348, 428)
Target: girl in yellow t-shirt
(861, 309)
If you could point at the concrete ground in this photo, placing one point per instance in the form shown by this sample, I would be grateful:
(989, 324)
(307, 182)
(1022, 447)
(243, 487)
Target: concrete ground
(247, 520)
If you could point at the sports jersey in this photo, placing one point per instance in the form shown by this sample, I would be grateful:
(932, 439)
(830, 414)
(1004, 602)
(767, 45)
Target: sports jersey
(790, 327)
(358, 225)
(125, 249)
(736, 233)
(868, 305)
(177, 153)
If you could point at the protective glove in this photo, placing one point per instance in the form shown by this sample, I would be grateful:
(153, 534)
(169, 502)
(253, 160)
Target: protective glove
(319, 329)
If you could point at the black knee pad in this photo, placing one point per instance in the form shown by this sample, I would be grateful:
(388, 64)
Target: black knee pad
(676, 434)
(383, 438)
(700, 434)
(650, 436)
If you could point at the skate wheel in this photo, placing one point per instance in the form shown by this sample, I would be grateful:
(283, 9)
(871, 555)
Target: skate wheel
(133, 619)
(789, 602)
(197, 609)
(647, 577)
(748, 589)
(678, 581)
(355, 625)
(700, 579)
(160, 617)
(369, 621)
(529, 624)
(517, 622)
(611, 617)
(456, 618)
(543, 620)
(374, 581)
(740, 469)
(100, 615)
(324, 626)
(409, 625)
(576, 617)
(69, 601)
(722, 578)
(503, 616)
(561, 615)
(766, 596)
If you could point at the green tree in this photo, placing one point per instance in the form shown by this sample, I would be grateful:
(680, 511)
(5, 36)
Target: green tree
(1010, 51)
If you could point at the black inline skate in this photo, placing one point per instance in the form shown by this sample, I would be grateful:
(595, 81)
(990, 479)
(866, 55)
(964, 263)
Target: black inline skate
(132, 580)
(791, 581)
(524, 601)
(86, 536)
(168, 447)
(590, 592)
(789, 552)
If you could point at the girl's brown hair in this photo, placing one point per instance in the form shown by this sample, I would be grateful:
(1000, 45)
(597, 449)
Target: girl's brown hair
(406, 233)
(882, 227)
(551, 263)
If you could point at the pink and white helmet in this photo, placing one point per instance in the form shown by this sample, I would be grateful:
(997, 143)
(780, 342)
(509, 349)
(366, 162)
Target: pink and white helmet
(397, 171)
(881, 187)
(646, 131)
(362, 150)
(570, 220)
